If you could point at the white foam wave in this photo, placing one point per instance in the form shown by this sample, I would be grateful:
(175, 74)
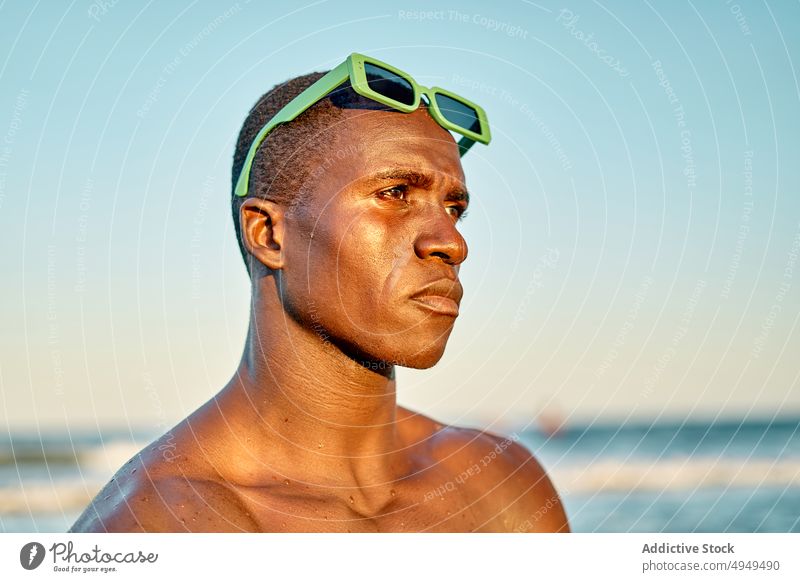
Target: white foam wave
(43, 497)
(674, 474)
(97, 465)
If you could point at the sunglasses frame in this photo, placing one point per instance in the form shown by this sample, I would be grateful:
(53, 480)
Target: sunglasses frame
(353, 69)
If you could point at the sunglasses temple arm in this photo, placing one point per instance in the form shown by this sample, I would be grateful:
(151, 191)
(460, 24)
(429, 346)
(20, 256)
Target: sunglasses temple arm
(316, 92)
(464, 144)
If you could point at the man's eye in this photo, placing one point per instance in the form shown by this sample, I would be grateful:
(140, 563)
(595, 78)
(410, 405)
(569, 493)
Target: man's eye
(397, 192)
(458, 211)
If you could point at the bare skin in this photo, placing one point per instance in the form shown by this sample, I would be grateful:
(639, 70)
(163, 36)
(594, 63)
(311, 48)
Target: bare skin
(307, 436)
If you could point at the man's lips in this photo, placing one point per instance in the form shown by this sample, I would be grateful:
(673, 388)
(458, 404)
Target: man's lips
(438, 304)
(442, 297)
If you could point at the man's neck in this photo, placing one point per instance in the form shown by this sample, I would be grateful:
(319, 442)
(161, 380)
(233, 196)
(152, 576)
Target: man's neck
(299, 398)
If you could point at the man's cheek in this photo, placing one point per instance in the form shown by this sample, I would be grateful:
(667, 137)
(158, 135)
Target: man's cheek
(396, 275)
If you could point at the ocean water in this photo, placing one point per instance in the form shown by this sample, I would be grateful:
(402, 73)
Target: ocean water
(733, 476)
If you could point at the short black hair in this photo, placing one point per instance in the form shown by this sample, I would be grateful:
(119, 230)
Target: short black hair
(282, 162)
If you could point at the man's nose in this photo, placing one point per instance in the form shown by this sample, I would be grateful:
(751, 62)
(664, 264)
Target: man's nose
(439, 238)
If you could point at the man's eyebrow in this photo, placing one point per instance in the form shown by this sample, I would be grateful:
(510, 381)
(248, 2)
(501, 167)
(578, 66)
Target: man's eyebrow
(416, 179)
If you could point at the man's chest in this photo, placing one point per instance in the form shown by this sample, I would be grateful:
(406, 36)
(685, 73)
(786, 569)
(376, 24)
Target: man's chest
(420, 505)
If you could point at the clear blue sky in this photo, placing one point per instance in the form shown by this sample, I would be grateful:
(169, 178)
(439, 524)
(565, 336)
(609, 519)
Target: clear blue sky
(634, 231)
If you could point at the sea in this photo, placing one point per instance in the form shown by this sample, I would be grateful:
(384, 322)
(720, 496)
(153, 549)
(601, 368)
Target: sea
(689, 476)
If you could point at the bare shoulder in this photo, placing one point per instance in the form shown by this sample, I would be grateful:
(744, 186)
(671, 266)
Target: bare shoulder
(525, 493)
(154, 493)
(511, 483)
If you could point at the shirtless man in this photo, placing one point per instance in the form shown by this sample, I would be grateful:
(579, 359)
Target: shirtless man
(350, 232)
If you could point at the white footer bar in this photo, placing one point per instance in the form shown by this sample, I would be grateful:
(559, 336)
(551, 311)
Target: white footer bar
(390, 557)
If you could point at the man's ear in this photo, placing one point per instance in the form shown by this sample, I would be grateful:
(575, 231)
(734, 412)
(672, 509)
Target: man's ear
(263, 226)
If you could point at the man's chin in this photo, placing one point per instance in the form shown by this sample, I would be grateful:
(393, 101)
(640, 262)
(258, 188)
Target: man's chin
(423, 359)
(404, 350)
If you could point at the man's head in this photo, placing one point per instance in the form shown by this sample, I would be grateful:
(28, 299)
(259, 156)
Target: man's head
(353, 211)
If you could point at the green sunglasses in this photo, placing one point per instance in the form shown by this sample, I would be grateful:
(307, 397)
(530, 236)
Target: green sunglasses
(389, 86)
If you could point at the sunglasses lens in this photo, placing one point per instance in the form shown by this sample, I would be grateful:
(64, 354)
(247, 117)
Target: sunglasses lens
(458, 113)
(389, 84)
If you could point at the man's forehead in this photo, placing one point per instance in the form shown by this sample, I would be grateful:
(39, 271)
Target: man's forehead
(407, 139)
